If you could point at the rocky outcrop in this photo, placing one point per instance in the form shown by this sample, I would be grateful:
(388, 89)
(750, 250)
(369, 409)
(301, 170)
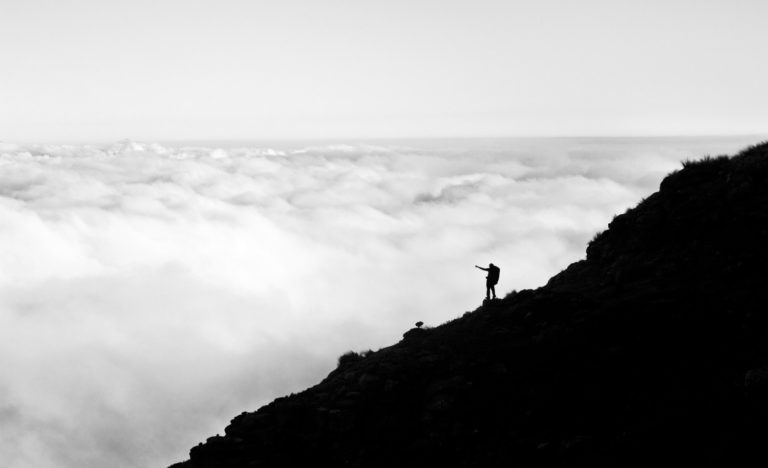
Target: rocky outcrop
(651, 351)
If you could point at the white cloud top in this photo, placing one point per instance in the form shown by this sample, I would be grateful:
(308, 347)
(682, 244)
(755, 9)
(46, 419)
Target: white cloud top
(149, 293)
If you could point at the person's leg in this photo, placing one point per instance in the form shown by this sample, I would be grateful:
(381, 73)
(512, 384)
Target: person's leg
(493, 290)
(488, 290)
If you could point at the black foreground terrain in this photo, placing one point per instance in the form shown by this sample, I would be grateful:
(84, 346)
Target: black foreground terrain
(653, 351)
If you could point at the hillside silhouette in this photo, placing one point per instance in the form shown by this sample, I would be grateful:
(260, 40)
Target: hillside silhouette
(651, 351)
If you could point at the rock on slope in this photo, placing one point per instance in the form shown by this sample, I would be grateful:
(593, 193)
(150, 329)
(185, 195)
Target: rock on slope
(653, 350)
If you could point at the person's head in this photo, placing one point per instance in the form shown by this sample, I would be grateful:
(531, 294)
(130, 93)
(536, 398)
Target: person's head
(490, 264)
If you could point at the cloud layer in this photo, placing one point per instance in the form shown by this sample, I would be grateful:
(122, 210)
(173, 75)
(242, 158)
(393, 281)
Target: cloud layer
(149, 293)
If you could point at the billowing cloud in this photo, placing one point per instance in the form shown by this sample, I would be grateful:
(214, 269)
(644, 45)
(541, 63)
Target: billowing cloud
(149, 293)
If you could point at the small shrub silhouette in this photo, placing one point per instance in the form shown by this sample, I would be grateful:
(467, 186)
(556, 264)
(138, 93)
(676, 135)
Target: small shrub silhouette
(595, 238)
(348, 358)
(706, 161)
(351, 357)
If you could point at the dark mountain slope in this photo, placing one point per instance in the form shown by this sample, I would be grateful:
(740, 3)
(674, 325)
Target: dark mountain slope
(653, 350)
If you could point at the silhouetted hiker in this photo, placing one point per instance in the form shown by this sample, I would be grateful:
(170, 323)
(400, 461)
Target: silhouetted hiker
(491, 279)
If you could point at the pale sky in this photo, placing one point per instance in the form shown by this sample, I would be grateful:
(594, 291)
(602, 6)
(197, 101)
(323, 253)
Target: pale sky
(95, 70)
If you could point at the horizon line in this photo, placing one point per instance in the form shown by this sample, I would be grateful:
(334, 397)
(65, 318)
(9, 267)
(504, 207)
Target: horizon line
(100, 141)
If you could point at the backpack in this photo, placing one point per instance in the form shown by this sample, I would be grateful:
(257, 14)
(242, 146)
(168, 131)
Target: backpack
(493, 274)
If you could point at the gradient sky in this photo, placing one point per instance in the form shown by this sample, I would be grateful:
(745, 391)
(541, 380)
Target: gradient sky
(90, 70)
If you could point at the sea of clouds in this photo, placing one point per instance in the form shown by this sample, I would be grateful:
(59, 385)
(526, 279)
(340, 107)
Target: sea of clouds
(149, 293)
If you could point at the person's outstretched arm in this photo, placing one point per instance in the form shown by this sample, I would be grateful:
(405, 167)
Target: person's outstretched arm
(484, 269)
